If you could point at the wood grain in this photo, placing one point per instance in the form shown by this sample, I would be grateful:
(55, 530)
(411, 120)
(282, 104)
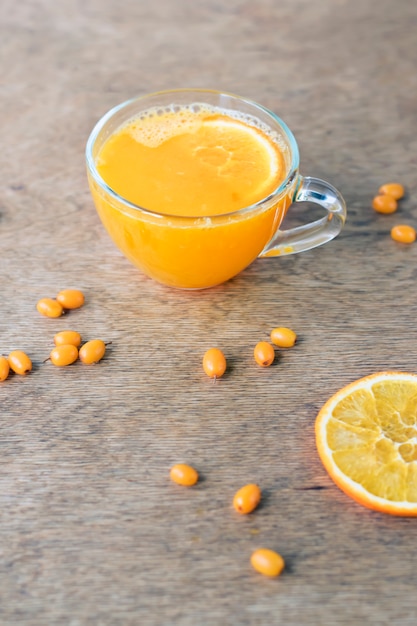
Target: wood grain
(92, 532)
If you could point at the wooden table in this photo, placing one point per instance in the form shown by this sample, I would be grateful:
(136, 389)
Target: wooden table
(92, 532)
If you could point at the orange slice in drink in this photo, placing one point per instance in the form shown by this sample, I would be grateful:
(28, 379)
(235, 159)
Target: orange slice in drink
(241, 155)
(366, 437)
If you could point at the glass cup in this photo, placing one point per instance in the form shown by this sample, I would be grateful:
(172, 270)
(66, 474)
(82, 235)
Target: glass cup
(200, 252)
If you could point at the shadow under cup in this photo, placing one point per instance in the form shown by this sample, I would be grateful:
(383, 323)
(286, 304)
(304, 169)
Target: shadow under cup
(200, 252)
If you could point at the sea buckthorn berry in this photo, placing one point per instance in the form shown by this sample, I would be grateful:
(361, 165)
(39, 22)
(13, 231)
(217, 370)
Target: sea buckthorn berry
(4, 368)
(283, 337)
(183, 474)
(267, 562)
(384, 204)
(19, 362)
(396, 190)
(71, 298)
(403, 233)
(214, 363)
(49, 307)
(247, 498)
(67, 338)
(64, 355)
(264, 353)
(92, 351)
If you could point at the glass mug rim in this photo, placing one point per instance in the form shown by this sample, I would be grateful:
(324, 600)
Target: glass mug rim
(107, 117)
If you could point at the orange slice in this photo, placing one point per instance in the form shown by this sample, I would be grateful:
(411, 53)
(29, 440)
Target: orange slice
(366, 437)
(241, 154)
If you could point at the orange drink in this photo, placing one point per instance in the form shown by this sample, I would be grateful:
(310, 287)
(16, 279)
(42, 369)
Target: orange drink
(192, 189)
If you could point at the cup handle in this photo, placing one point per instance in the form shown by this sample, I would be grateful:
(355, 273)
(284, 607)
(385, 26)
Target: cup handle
(315, 233)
